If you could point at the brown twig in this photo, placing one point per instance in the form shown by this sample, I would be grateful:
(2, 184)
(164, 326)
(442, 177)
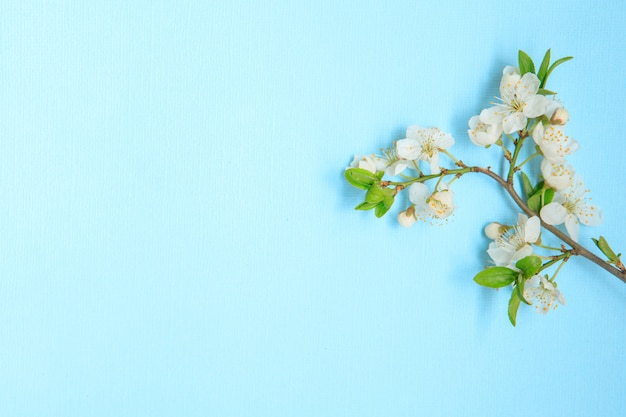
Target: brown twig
(577, 249)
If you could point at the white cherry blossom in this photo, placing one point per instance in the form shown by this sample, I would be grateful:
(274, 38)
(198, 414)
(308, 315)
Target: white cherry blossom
(572, 207)
(554, 144)
(516, 242)
(439, 204)
(372, 163)
(557, 176)
(483, 134)
(544, 292)
(520, 101)
(424, 144)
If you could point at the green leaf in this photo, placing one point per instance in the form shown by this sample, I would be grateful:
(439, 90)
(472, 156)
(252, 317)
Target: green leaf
(527, 187)
(495, 277)
(388, 201)
(360, 178)
(534, 203)
(544, 92)
(525, 63)
(519, 288)
(603, 245)
(381, 209)
(514, 303)
(375, 194)
(553, 66)
(529, 265)
(538, 188)
(366, 206)
(543, 68)
(548, 195)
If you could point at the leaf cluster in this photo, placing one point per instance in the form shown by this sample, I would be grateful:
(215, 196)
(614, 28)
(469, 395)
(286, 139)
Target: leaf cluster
(378, 197)
(500, 276)
(526, 64)
(538, 196)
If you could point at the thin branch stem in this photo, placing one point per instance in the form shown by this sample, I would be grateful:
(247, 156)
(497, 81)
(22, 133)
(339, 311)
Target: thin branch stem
(577, 249)
(530, 158)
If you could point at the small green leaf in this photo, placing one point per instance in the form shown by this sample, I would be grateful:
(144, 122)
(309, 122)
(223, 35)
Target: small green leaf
(366, 206)
(514, 303)
(495, 277)
(519, 288)
(534, 203)
(543, 68)
(381, 209)
(553, 66)
(529, 265)
(375, 194)
(388, 201)
(544, 92)
(360, 178)
(538, 188)
(525, 63)
(527, 187)
(603, 245)
(548, 195)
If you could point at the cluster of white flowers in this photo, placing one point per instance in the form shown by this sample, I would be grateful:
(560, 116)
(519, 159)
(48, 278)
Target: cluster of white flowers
(521, 101)
(419, 144)
(556, 197)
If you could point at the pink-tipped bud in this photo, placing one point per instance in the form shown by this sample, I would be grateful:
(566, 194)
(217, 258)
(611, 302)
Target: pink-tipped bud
(560, 117)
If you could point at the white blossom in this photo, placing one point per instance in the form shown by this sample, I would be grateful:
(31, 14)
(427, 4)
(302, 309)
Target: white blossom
(424, 144)
(372, 163)
(557, 176)
(439, 204)
(516, 242)
(554, 144)
(571, 207)
(544, 292)
(483, 134)
(520, 101)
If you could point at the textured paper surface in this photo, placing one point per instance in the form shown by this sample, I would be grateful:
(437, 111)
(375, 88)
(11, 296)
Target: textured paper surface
(176, 237)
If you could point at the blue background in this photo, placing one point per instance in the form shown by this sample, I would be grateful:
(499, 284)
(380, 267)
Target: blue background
(176, 237)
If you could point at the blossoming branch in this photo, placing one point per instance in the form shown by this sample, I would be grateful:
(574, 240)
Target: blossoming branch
(554, 199)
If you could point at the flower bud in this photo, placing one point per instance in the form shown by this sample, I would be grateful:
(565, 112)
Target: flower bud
(406, 218)
(560, 117)
(493, 230)
(441, 203)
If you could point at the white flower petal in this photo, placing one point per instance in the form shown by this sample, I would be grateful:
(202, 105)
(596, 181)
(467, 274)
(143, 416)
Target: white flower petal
(590, 216)
(434, 163)
(418, 194)
(413, 131)
(522, 252)
(444, 140)
(535, 106)
(408, 149)
(528, 86)
(500, 256)
(532, 229)
(572, 226)
(514, 122)
(494, 115)
(553, 214)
